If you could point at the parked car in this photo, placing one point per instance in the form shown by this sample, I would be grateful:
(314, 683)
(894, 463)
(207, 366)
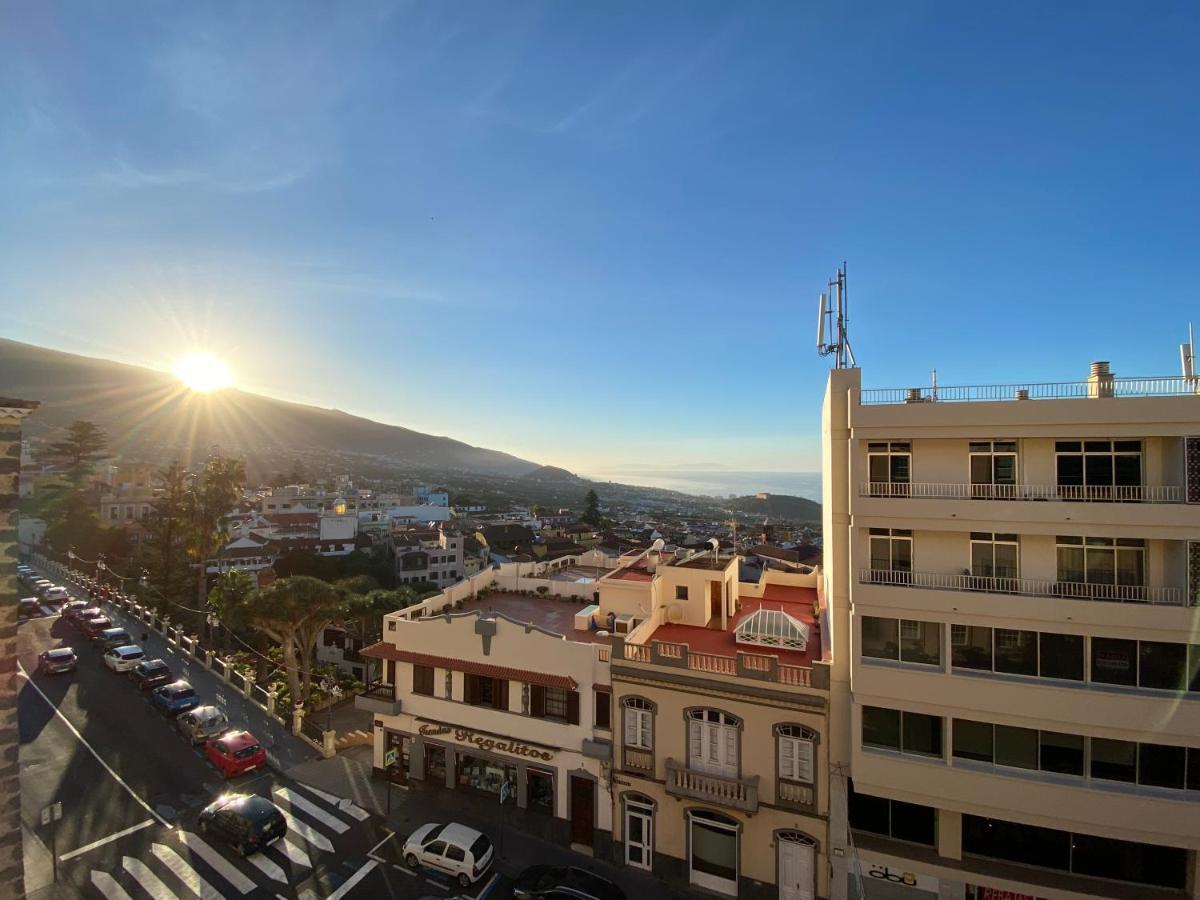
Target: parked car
(41, 585)
(174, 698)
(94, 625)
(150, 673)
(74, 607)
(456, 850)
(56, 661)
(236, 753)
(564, 881)
(123, 658)
(28, 606)
(57, 594)
(246, 821)
(112, 637)
(202, 723)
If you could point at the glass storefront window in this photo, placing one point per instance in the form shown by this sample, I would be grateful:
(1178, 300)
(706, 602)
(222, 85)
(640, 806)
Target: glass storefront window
(541, 791)
(435, 764)
(484, 774)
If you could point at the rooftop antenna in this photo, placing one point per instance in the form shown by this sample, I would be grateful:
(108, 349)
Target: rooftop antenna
(832, 318)
(1187, 357)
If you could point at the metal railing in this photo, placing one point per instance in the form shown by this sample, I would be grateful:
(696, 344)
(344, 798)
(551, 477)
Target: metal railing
(1030, 587)
(738, 793)
(1154, 386)
(1094, 493)
(380, 690)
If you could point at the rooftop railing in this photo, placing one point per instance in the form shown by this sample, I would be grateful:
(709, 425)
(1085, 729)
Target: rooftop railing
(1163, 386)
(1094, 493)
(759, 666)
(1029, 587)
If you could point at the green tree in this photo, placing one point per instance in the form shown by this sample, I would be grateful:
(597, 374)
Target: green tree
(363, 613)
(79, 450)
(591, 508)
(212, 495)
(164, 552)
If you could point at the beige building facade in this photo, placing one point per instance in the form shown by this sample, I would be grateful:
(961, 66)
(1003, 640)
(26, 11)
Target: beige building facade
(1014, 573)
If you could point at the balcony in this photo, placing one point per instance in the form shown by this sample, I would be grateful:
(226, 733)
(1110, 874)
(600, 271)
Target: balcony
(1028, 587)
(1019, 492)
(378, 698)
(759, 666)
(735, 793)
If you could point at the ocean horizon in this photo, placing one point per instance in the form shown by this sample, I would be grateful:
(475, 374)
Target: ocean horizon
(718, 482)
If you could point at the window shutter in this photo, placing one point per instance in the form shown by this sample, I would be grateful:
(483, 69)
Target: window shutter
(787, 758)
(694, 741)
(501, 693)
(573, 707)
(470, 684)
(631, 727)
(731, 748)
(647, 732)
(804, 761)
(537, 701)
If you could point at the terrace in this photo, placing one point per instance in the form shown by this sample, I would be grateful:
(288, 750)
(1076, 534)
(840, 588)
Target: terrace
(557, 616)
(1105, 385)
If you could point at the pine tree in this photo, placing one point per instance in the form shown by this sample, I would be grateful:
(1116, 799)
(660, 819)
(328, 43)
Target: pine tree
(79, 450)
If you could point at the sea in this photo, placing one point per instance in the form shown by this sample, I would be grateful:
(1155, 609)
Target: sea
(718, 482)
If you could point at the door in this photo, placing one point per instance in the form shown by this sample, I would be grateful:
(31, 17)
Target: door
(713, 857)
(714, 600)
(797, 867)
(639, 834)
(583, 810)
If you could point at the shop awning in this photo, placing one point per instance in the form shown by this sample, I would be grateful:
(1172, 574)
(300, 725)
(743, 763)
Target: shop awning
(384, 650)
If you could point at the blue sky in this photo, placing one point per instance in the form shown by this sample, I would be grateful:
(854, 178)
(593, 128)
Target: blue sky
(593, 234)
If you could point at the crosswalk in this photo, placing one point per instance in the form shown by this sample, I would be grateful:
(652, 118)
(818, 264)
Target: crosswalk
(183, 864)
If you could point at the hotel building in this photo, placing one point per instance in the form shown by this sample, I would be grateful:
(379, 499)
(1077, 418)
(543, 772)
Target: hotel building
(1014, 572)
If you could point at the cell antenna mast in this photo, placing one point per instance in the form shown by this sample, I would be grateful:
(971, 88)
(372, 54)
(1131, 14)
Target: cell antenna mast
(832, 319)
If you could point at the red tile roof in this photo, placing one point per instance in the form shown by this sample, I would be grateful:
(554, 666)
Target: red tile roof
(384, 650)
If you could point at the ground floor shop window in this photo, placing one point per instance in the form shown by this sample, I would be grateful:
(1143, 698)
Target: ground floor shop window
(713, 857)
(540, 790)
(484, 774)
(435, 764)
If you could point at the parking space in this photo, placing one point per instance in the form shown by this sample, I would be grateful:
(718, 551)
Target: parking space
(427, 882)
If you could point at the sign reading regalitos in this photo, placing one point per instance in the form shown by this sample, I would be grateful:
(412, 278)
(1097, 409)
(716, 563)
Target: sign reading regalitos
(485, 743)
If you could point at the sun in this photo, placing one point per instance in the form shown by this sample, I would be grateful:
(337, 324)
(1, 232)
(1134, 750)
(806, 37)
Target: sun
(202, 372)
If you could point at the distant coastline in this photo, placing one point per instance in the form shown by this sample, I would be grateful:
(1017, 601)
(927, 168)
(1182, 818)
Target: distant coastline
(717, 482)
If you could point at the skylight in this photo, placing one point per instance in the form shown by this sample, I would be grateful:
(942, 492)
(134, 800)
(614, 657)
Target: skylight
(772, 628)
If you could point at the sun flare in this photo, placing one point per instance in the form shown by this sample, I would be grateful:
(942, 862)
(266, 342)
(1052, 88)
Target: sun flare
(202, 372)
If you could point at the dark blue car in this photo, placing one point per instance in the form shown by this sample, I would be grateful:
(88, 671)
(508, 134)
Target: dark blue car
(174, 698)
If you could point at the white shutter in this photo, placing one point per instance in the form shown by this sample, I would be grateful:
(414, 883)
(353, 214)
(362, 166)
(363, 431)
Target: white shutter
(694, 743)
(647, 736)
(787, 758)
(631, 727)
(804, 761)
(731, 741)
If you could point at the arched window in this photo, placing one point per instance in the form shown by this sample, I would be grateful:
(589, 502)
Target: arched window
(639, 723)
(713, 742)
(796, 751)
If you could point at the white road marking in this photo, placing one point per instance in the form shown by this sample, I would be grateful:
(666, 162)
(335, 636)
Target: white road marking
(390, 835)
(315, 838)
(487, 887)
(147, 879)
(294, 852)
(312, 809)
(100, 843)
(189, 876)
(354, 879)
(405, 869)
(228, 871)
(267, 867)
(341, 803)
(107, 885)
(21, 671)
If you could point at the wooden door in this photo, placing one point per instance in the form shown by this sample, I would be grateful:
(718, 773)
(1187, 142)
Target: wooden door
(583, 810)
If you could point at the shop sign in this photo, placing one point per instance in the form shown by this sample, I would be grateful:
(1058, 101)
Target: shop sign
(893, 874)
(485, 743)
(988, 893)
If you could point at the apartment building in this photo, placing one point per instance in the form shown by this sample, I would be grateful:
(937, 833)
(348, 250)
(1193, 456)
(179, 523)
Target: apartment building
(720, 693)
(1014, 571)
(428, 554)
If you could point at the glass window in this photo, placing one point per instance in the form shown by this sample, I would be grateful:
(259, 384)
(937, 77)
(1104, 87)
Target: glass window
(921, 642)
(971, 647)
(1162, 665)
(868, 813)
(1062, 753)
(921, 734)
(1017, 747)
(912, 822)
(1114, 760)
(540, 786)
(1061, 656)
(1128, 861)
(995, 838)
(1114, 661)
(880, 638)
(1193, 769)
(973, 740)
(1160, 765)
(881, 727)
(1016, 652)
(556, 703)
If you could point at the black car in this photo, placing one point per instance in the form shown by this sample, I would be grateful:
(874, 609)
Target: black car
(553, 882)
(150, 673)
(248, 822)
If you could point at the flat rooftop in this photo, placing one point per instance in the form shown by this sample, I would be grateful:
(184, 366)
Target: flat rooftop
(552, 615)
(578, 573)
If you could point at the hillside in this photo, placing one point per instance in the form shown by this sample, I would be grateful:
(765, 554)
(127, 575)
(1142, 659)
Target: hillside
(554, 474)
(781, 506)
(146, 412)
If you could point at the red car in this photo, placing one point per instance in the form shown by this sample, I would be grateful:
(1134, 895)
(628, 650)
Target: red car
(236, 752)
(93, 626)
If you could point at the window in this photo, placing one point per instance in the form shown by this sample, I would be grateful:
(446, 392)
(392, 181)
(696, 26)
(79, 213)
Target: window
(1060, 656)
(973, 740)
(1061, 753)
(639, 723)
(1161, 766)
(1114, 661)
(889, 466)
(423, 680)
(602, 706)
(1114, 760)
(554, 703)
(681, 592)
(713, 742)
(902, 639)
(892, 818)
(908, 732)
(483, 691)
(1108, 568)
(1099, 470)
(1016, 652)
(540, 790)
(891, 555)
(994, 556)
(880, 637)
(1162, 665)
(1016, 747)
(993, 468)
(971, 647)
(797, 752)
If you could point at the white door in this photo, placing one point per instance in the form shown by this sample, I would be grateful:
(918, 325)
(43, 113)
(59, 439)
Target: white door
(797, 859)
(713, 743)
(639, 835)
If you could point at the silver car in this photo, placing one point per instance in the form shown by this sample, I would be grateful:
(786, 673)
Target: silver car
(202, 723)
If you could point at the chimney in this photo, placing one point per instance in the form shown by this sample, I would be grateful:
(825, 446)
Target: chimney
(1100, 382)
(913, 395)
(1021, 394)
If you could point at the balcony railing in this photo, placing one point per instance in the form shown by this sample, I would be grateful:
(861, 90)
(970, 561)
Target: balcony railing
(1164, 386)
(638, 760)
(378, 697)
(1077, 493)
(760, 666)
(1029, 587)
(737, 793)
(380, 690)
